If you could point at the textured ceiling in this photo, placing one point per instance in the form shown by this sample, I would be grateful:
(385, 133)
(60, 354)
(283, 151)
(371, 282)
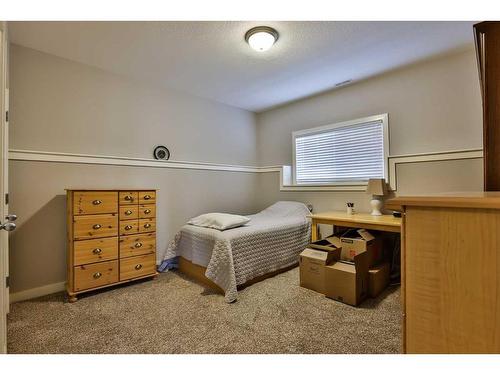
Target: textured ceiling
(212, 60)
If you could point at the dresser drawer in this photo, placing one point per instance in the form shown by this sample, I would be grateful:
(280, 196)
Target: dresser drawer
(137, 266)
(98, 250)
(147, 211)
(146, 197)
(147, 225)
(137, 244)
(95, 202)
(95, 275)
(128, 197)
(129, 227)
(129, 212)
(95, 226)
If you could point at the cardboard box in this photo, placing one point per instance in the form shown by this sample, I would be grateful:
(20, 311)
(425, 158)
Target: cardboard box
(312, 266)
(327, 244)
(348, 281)
(378, 279)
(357, 241)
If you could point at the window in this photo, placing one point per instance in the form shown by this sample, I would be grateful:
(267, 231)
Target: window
(347, 153)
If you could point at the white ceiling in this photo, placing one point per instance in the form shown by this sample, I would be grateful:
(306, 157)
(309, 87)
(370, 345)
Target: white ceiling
(212, 60)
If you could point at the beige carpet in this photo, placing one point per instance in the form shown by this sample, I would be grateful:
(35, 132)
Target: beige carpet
(175, 315)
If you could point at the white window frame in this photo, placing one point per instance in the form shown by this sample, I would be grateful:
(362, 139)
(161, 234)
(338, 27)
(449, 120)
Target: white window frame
(383, 118)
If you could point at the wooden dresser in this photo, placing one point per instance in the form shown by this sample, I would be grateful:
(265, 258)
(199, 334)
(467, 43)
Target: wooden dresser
(111, 238)
(451, 273)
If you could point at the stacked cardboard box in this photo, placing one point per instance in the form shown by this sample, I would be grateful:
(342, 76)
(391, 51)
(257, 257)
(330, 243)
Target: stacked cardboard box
(347, 268)
(313, 261)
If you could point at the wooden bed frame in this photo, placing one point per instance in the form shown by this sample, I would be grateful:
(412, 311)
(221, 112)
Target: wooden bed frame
(197, 273)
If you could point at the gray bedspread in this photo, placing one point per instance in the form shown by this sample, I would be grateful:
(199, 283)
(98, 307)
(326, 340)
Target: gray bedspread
(272, 240)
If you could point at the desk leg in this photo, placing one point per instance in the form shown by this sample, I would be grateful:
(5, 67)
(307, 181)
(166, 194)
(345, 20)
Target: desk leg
(314, 231)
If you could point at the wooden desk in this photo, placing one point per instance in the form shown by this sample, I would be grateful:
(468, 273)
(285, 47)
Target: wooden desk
(386, 223)
(450, 262)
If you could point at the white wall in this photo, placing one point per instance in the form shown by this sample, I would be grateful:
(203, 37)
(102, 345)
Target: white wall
(433, 106)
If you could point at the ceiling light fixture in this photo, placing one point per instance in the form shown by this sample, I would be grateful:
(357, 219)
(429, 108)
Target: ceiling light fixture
(261, 38)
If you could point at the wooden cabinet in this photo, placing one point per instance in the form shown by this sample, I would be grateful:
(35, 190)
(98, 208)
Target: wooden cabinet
(111, 238)
(487, 37)
(450, 266)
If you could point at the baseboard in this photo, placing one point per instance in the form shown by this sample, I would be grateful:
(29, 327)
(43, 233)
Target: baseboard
(37, 292)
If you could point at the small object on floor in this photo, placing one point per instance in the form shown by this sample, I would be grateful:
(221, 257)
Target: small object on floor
(313, 261)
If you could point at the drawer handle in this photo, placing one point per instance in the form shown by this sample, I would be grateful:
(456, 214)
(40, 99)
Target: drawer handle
(138, 244)
(128, 212)
(138, 267)
(96, 202)
(148, 211)
(128, 197)
(128, 227)
(147, 197)
(97, 275)
(97, 251)
(97, 226)
(147, 225)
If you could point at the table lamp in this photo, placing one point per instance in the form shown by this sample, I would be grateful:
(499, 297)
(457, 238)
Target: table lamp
(377, 188)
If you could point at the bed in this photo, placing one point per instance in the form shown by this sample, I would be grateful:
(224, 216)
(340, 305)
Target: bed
(271, 241)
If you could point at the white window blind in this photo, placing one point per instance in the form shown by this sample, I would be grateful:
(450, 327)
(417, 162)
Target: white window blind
(340, 154)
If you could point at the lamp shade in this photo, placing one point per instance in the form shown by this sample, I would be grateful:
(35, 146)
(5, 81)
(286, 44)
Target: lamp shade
(376, 186)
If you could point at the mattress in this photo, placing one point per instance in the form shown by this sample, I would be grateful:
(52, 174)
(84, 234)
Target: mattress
(272, 240)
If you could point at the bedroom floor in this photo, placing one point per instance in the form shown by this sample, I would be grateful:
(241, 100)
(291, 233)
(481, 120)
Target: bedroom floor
(173, 314)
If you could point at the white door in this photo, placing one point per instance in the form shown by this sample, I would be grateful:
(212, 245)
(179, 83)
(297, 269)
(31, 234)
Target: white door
(6, 223)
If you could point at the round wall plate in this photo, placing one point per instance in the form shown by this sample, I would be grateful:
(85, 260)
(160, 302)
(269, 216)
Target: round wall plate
(161, 153)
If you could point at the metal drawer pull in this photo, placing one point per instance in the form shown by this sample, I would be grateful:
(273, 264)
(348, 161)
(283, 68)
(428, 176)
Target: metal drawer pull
(128, 227)
(97, 275)
(138, 267)
(148, 211)
(97, 251)
(128, 197)
(138, 244)
(128, 212)
(147, 197)
(97, 226)
(96, 202)
(147, 225)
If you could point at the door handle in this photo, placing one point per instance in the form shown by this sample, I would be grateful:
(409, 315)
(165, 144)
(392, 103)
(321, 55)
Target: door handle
(8, 226)
(11, 217)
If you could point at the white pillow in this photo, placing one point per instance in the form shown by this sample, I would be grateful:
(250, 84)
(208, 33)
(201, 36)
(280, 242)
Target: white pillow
(219, 221)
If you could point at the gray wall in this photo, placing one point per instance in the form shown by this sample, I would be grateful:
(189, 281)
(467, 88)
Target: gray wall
(62, 106)
(433, 106)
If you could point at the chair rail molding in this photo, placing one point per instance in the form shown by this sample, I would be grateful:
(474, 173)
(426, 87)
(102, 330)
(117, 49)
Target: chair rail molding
(61, 157)
(284, 171)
